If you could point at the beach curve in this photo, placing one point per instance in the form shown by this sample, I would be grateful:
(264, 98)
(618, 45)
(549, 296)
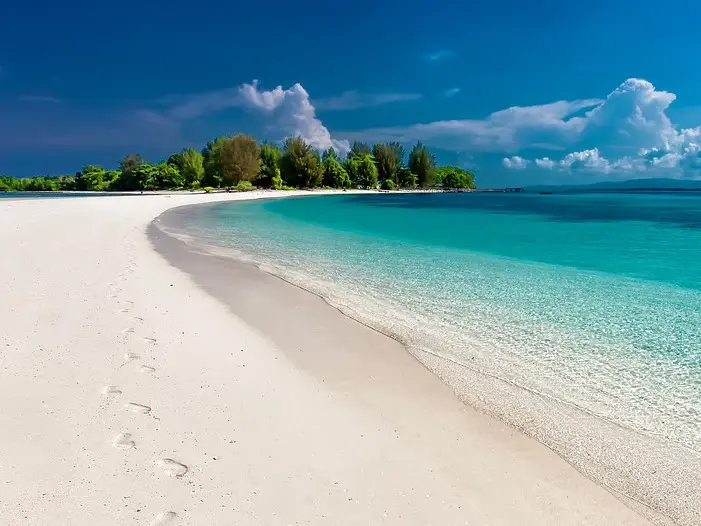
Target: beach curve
(131, 395)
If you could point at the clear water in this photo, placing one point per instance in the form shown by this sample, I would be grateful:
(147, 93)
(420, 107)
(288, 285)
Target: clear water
(592, 300)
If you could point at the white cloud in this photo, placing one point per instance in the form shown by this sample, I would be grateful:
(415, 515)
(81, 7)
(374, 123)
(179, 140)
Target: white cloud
(627, 131)
(286, 112)
(289, 113)
(451, 92)
(546, 163)
(590, 161)
(505, 130)
(586, 160)
(351, 100)
(515, 162)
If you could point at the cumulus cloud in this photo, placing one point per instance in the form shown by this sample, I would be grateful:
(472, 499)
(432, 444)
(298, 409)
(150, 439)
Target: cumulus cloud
(515, 162)
(505, 130)
(286, 112)
(585, 160)
(627, 131)
(291, 112)
(352, 100)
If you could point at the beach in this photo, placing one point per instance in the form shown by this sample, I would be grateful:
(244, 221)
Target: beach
(145, 383)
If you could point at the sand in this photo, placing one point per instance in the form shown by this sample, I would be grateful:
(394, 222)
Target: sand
(145, 384)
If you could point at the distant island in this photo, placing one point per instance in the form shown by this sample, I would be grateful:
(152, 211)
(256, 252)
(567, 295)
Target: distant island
(630, 185)
(241, 163)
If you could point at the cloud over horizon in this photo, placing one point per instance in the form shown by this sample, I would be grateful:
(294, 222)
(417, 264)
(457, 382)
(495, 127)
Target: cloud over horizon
(632, 126)
(627, 132)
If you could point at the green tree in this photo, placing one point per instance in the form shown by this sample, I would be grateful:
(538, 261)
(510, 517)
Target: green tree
(300, 165)
(388, 157)
(454, 177)
(128, 179)
(142, 177)
(211, 159)
(7, 184)
(190, 164)
(240, 159)
(269, 174)
(359, 148)
(362, 170)
(168, 176)
(423, 164)
(406, 178)
(92, 178)
(335, 175)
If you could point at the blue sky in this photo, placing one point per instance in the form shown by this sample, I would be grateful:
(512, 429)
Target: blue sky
(521, 92)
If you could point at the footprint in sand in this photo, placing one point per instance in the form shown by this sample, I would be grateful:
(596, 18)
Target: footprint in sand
(111, 390)
(138, 318)
(128, 357)
(137, 408)
(172, 468)
(123, 441)
(146, 369)
(149, 340)
(164, 518)
(128, 330)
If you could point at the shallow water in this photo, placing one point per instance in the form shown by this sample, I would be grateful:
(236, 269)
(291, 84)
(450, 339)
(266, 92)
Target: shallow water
(590, 300)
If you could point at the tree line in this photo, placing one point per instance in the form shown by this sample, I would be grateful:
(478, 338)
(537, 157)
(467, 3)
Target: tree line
(241, 163)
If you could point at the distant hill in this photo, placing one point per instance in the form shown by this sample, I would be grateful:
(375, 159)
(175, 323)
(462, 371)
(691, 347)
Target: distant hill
(631, 184)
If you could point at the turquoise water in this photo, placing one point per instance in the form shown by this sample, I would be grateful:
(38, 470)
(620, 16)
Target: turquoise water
(591, 300)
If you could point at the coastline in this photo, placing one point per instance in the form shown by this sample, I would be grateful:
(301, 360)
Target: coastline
(654, 477)
(212, 271)
(131, 395)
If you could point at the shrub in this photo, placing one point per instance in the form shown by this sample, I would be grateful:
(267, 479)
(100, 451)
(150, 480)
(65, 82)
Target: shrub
(387, 184)
(244, 186)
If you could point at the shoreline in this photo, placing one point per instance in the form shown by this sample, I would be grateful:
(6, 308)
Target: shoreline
(201, 264)
(132, 394)
(654, 477)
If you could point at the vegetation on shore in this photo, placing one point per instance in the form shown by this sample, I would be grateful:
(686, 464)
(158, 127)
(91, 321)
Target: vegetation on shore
(241, 163)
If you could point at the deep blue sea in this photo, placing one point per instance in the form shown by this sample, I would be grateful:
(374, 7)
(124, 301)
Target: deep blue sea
(593, 300)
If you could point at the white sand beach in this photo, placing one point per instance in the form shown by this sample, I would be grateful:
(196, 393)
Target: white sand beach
(129, 395)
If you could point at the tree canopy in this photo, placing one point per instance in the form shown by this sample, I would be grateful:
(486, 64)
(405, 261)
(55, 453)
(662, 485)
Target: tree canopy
(240, 159)
(389, 158)
(454, 177)
(269, 173)
(190, 164)
(240, 162)
(335, 176)
(300, 165)
(423, 164)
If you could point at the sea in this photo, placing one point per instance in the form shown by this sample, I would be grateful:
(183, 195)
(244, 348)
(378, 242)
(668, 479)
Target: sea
(574, 317)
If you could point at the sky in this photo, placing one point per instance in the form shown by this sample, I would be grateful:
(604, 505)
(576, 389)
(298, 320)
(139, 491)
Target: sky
(519, 92)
